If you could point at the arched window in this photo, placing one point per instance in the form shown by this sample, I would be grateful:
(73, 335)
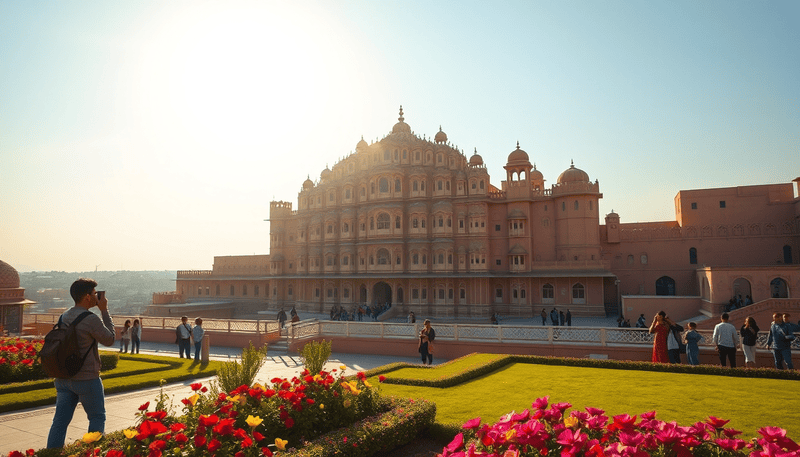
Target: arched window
(415, 259)
(441, 221)
(346, 228)
(547, 292)
(397, 185)
(383, 221)
(383, 256)
(384, 185)
(578, 293)
(441, 258)
(414, 223)
(231, 290)
(397, 222)
(693, 256)
(576, 204)
(439, 184)
(665, 286)
(415, 185)
(347, 193)
(481, 184)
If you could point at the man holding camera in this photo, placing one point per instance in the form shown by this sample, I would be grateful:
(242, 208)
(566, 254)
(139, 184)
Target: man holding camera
(86, 386)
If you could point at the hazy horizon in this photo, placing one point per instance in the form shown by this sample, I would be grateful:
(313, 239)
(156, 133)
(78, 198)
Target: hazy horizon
(153, 135)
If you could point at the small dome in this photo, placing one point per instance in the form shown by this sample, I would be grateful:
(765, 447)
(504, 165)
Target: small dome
(536, 175)
(573, 174)
(401, 127)
(518, 157)
(440, 137)
(308, 184)
(476, 159)
(9, 278)
(326, 173)
(361, 144)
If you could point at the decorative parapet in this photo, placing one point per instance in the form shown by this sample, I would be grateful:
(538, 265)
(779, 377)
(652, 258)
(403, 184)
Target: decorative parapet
(708, 231)
(575, 188)
(194, 273)
(499, 194)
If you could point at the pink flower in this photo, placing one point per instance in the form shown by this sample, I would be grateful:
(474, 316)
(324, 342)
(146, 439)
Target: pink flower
(730, 445)
(472, 423)
(541, 403)
(456, 444)
(716, 422)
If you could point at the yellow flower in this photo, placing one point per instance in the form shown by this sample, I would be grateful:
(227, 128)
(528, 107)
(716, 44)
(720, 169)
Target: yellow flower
(130, 434)
(281, 444)
(511, 434)
(193, 399)
(317, 378)
(570, 422)
(321, 406)
(342, 367)
(233, 399)
(91, 437)
(259, 386)
(367, 384)
(253, 421)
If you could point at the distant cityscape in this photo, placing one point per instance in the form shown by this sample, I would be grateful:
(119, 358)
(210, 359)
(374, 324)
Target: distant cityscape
(128, 292)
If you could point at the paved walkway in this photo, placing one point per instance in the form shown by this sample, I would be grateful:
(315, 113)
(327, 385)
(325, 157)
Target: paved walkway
(26, 429)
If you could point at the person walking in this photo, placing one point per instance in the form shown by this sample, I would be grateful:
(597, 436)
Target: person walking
(749, 333)
(197, 335)
(691, 339)
(426, 337)
(282, 316)
(726, 338)
(125, 338)
(86, 386)
(184, 337)
(569, 318)
(544, 317)
(136, 336)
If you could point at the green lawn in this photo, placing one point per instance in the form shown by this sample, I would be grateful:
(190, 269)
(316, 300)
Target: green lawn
(132, 373)
(685, 398)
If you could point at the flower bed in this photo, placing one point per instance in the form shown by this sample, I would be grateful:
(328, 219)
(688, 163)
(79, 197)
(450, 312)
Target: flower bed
(549, 430)
(19, 360)
(320, 415)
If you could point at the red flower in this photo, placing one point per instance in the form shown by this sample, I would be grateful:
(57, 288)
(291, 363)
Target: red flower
(196, 386)
(208, 421)
(257, 436)
(360, 375)
(214, 445)
(177, 427)
(716, 422)
(199, 441)
(289, 423)
(15, 454)
(266, 451)
(239, 454)
(158, 444)
(381, 378)
(144, 406)
(157, 415)
(225, 427)
(181, 438)
(111, 453)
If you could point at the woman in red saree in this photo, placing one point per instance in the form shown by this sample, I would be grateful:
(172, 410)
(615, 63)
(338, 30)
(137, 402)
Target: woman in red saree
(660, 328)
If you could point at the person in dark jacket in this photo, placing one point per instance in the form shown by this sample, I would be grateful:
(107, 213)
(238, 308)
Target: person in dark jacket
(749, 333)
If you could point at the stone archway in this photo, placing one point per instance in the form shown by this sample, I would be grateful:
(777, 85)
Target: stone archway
(778, 288)
(741, 287)
(382, 293)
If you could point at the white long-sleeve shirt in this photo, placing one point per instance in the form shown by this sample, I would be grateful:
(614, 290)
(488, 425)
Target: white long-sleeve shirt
(725, 334)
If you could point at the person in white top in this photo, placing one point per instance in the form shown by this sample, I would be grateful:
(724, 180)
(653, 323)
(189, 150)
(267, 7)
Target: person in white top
(726, 338)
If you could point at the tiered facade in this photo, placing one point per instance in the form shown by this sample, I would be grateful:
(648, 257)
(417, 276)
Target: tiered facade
(413, 222)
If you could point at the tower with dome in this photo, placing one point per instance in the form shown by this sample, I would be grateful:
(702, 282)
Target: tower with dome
(12, 300)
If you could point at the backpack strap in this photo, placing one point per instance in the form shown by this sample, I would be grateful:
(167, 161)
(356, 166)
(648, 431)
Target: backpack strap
(75, 323)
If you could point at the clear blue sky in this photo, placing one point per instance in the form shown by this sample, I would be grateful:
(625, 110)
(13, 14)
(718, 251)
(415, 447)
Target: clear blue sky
(153, 135)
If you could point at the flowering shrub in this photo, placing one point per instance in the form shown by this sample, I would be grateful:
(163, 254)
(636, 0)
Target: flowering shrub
(19, 360)
(248, 421)
(549, 430)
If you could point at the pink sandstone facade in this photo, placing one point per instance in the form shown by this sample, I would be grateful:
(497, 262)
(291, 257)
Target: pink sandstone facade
(413, 222)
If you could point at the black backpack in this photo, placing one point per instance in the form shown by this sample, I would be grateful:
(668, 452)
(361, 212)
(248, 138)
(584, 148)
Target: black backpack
(60, 355)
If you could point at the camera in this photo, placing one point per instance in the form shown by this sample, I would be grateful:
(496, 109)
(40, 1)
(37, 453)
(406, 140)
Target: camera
(101, 294)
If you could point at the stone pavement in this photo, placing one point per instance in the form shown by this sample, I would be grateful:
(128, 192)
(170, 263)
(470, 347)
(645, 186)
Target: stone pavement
(28, 429)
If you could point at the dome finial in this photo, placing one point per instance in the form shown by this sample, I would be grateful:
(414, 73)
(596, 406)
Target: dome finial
(401, 118)
(571, 163)
(534, 165)
(517, 144)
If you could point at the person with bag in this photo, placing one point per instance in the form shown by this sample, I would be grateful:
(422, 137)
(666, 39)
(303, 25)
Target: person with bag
(183, 335)
(125, 338)
(136, 336)
(85, 386)
(197, 335)
(426, 337)
(749, 332)
(780, 342)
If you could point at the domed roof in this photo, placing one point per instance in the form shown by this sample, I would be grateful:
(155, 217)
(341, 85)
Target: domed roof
(536, 174)
(9, 278)
(401, 127)
(326, 173)
(440, 137)
(573, 174)
(476, 159)
(308, 184)
(361, 144)
(518, 157)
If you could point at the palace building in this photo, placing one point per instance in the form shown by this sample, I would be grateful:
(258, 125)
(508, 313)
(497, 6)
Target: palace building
(414, 222)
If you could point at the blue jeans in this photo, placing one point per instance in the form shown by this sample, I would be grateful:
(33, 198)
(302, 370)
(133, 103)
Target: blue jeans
(783, 355)
(68, 393)
(197, 350)
(135, 345)
(692, 354)
(185, 345)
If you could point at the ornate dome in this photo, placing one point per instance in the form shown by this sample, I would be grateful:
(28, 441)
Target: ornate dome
(308, 184)
(326, 173)
(476, 159)
(9, 278)
(536, 174)
(361, 144)
(518, 157)
(573, 174)
(401, 127)
(440, 137)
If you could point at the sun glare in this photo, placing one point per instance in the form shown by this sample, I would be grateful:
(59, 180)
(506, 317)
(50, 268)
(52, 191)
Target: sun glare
(222, 74)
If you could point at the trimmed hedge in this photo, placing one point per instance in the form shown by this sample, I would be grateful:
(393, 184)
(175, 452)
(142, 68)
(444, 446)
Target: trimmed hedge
(503, 361)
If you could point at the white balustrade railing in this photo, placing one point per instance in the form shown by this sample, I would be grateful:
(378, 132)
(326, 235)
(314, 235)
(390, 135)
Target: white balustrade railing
(150, 322)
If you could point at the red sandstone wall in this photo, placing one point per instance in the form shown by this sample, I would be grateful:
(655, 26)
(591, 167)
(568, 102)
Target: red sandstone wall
(677, 308)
